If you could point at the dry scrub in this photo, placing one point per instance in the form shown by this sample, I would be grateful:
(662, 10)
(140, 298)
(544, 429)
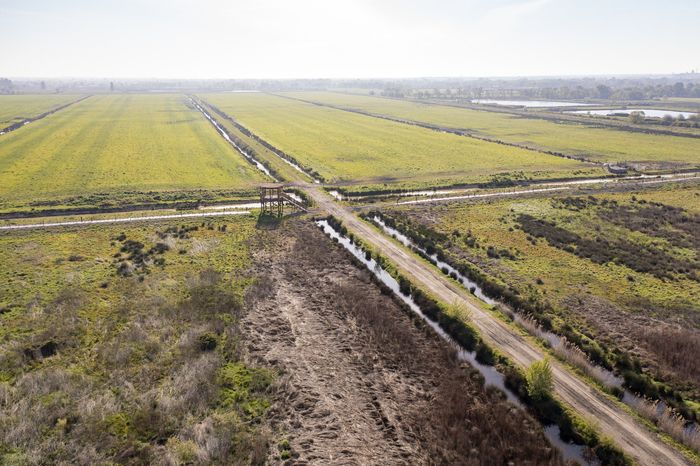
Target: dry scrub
(143, 378)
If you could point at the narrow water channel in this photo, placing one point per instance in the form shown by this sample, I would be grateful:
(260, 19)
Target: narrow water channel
(437, 194)
(569, 451)
(246, 131)
(221, 131)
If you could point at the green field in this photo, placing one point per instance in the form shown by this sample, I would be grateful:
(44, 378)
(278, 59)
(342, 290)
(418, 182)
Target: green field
(621, 268)
(14, 108)
(607, 145)
(343, 146)
(120, 338)
(115, 146)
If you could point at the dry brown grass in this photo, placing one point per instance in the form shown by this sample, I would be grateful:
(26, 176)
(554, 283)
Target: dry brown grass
(677, 349)
(135, 387)
(668, 421)
(453, 425)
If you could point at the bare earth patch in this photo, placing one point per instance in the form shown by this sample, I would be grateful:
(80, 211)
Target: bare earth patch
(361, 382)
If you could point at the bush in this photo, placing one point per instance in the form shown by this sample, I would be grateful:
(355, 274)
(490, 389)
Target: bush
(539, 380)
(207, 342)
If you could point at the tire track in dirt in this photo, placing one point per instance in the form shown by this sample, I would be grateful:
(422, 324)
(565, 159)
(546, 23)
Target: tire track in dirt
(369, 387)
(330, 407)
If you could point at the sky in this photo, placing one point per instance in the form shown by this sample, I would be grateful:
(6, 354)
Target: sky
(346, 38)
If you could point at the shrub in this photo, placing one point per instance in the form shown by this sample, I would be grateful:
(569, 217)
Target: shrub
(539, 380)
(207, 342)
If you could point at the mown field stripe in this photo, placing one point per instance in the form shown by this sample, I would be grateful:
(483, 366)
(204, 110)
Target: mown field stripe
(346, 146)
(26, 121)
(597, 143)
(443, 129)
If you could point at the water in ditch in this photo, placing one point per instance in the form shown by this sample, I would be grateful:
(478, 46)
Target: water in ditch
(444, 266)
(569, 451)
(221, 131)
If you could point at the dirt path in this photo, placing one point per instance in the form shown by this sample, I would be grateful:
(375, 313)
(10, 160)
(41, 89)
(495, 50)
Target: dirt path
(146, 218)
(362, 383)
(635, 439)
(611, 183)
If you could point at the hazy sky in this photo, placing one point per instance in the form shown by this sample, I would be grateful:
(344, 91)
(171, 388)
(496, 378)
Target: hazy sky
(346, 38)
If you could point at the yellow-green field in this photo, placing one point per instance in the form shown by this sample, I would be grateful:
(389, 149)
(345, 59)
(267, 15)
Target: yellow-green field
(608, 145)
(344, 146)
(118, 145)
(14, 108)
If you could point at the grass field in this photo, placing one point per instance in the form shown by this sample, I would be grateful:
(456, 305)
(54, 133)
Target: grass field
(344, 146)
(261, 153)
(14, 108)
(118, 145)
(118, 342)
(587, 259)
(608, 145)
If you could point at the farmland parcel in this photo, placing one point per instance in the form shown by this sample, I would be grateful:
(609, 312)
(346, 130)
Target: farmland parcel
(107, 148)
(342, 146)
(605, 145)
(14, 108)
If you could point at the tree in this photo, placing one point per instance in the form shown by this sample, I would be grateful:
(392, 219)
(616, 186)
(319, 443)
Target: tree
(636, 117)
(539, 380)
(678, 89)
(604, 92)
(5, 85)
(43, 86)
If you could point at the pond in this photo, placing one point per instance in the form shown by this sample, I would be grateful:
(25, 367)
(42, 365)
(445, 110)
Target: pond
(529, 103)
(648, 112)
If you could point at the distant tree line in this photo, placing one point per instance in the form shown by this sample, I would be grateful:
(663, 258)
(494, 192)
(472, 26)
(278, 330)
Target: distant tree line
(621, 87)
(565, 92)
(6, 86)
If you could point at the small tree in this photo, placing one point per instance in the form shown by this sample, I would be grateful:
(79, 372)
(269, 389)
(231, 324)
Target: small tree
(636, 117)
(539, 380)
(459, 308)
(604, 92)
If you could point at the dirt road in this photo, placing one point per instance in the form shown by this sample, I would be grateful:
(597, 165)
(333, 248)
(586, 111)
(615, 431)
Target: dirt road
(630, 435)
(145, 218)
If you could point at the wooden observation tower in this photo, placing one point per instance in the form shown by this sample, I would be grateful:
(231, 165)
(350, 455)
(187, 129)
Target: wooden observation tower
(273, 199)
